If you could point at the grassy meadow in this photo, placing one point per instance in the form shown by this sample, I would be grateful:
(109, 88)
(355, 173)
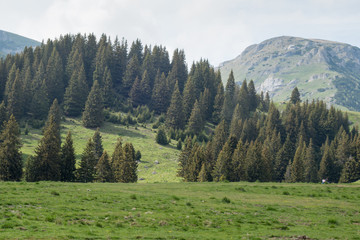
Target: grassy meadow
(53, 210)
(142, 138)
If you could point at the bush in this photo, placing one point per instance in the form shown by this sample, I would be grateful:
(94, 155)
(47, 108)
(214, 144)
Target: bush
(179, 145)
(138, 155)
(161, 137)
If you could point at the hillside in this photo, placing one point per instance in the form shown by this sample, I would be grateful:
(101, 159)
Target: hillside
(321, 69)
(13, 43)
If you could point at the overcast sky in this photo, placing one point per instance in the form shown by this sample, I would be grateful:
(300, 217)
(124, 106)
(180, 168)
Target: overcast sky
(214, 29)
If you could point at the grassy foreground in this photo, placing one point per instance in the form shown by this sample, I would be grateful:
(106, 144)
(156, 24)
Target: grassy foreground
(52, 210)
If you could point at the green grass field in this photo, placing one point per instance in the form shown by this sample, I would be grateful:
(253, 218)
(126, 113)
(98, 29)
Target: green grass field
(143, 139)
(53, 210)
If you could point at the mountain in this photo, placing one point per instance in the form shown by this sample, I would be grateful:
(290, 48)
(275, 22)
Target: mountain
(13, 43)
(321, 69)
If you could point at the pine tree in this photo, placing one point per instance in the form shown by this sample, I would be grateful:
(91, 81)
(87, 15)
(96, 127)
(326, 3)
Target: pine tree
(160, 98)
(175, 115)
(98, 144)
(297, 167)
(252, 98)
(223, 168)
(283, 157)
(195, 124)
(15, 97)
(161, 137)
(68, 160)
(235, 128)
(310, 168)
(189, 97)
(218, 103)
(103, 169)
(86, 172)
(3, 115)
(145, 86)
(184, 157)
(136, 93)
(255, 166)
(229, 99)
(295, 96)
(47, 161)
(243, 99)
(76, 93)
(117, 160)
(54, 112)
(239, 162)
(129, 167)
(108, 88)
(179, 68)
(327, 162)
(219, 139)
(54, 77)
(10, 154)
(93, 115)
(351, 171)
(133, 71)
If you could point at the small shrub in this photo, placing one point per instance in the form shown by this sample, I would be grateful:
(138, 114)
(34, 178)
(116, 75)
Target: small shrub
(175, 198)
(188, 204)
(286, 193)
(333, 221)
(55, 193)
(133, 197)
(138, 155)
(226, 200)
(161, 137)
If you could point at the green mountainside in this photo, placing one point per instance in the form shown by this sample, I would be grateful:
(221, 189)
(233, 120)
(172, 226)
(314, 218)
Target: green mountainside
(321, 69)
(12, 43)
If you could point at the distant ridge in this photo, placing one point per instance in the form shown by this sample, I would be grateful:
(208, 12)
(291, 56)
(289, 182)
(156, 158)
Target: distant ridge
(11, 43)
(321, 69)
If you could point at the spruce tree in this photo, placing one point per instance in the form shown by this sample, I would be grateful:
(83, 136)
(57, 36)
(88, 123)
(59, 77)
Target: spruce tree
(229, 99)
(223, 169)
(283, 157)
(136, 93)
(218, 103)
(46, 164)
(86, 172)
(103, 169)
(10, 154)
(243, 99)
(3, 115)
(145, 86)
(93, 115)
(175, 115)
(133, 71)
(68, 160)
(255, 165)
(184, 157)
(295, 96)
(297, 167)
(160, 98)
(310, 166)
(252, 98)
(108, 88)
(129, 167)
(76, 93)
(189, 97)
(327, 162)
(117, 159)
(54, 77)
(54, 112)
(351, 171)
(15, 97)
(161, 137)
(195, 124)
(179, 68)
(98, 144)
(239, 162)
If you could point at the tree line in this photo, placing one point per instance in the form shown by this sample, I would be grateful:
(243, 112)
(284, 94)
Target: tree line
(55, 162)
(306, 142)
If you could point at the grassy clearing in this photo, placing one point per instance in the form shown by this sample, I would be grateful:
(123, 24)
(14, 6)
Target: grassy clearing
(51, 210)
(143, 139)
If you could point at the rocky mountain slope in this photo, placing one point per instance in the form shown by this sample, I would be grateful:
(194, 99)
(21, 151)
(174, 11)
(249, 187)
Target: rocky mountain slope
(320, 69)
(13, 43)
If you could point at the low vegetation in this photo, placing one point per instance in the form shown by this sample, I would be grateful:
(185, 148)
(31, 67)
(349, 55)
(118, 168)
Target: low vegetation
(54, 210)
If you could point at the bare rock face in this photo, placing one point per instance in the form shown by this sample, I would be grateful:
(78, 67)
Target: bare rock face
(321, 69)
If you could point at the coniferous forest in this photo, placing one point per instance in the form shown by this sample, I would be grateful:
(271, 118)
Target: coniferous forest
(225, 133)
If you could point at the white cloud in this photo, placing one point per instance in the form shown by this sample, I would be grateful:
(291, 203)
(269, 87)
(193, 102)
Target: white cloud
(217, 30)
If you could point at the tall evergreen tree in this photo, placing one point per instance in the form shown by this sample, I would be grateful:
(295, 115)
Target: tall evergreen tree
(108, 88)
(327, 162)
(195, 124)
(68, 160)
(297, 166)
(117, 160)
(10, 154)
(223, 169)
(295, 96)
(136, 93)
(55, 77)
(351, 171)
(15, 97)
(189, 97)
(239, 162)
(175, 115)
(252, 98)
(76, 93)
(229, 99)
(218, 103)
(87, 170)
(103, 169)
(133, 71)
(93, 115)
(160, 98)
(179, 68)
(98, 144)
(129, 167)
(310, 166)
(3, 115)
(47, 162)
